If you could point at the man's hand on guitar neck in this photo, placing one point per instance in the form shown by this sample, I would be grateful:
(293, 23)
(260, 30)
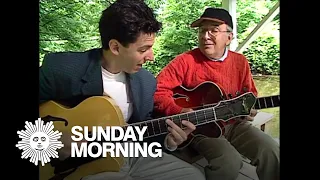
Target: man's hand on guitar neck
(177, 135)
(252, 114)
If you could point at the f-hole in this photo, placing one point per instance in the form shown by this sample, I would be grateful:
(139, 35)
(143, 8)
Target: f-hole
(51, 118)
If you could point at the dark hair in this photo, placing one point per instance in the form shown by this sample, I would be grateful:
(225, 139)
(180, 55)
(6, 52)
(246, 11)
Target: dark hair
(124, 20)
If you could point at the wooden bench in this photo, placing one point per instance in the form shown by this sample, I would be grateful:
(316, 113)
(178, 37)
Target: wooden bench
(261, 119)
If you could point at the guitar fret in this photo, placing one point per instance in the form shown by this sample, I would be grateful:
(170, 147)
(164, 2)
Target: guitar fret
(159, 125)
(184, 117)
(276, 100)
(204, 113)
(198, 116)
(214, 113)
(203, 117)
(259, 106)
(269, 102)
(195, 114)
(261, 103)
(177, 121)
(197, 121)
(163, 125)
(147, 128)
(156, 130)
(152, 127)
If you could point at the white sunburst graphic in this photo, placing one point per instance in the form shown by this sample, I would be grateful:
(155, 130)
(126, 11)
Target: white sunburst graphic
(39, 142)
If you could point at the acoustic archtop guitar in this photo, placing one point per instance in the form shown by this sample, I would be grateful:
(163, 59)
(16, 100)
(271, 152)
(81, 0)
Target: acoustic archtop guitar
(103, 111)
(209, 94)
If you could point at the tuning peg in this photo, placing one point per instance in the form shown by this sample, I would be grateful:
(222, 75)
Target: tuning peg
(230, 96)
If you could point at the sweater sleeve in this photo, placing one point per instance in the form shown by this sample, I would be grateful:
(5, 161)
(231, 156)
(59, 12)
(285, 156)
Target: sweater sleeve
(170, 77)
(248, 81)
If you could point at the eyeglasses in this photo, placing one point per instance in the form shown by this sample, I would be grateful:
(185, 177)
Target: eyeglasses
(213, 31)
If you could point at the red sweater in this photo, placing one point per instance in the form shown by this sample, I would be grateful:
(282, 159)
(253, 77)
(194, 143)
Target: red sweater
(192, 68)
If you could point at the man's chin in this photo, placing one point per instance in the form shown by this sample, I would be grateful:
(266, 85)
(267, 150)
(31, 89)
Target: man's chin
(207, 52)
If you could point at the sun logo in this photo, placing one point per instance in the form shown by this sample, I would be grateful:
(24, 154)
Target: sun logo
(39, 142)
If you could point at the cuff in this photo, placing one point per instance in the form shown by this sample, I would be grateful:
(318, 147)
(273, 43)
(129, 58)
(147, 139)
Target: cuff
(166, 144)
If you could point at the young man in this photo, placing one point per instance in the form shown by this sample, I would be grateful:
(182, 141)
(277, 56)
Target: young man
(211, 61)
(128, 29)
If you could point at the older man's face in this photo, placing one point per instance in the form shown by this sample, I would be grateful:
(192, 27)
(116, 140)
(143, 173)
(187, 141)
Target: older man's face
(213, 38)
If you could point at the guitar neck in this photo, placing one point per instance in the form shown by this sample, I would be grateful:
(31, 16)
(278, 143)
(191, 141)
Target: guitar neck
(267, 102)
(159, 126)
(221, 111)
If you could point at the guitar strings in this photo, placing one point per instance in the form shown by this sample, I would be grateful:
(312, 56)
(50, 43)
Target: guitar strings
(204, 118)
(210, 115)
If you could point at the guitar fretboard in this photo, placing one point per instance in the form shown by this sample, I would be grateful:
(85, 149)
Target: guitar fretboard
(202, 116)
(267, 102)
(159, 126)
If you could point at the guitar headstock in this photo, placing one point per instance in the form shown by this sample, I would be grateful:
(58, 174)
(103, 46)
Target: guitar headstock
(235, 107)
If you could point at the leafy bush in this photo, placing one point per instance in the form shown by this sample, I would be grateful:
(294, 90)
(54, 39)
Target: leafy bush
(72, 26)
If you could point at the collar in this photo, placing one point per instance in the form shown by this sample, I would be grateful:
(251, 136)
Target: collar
(222, 58)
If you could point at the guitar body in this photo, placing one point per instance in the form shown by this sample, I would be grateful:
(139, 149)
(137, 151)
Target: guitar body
(93, 111)
(214, 110)
(196, 98)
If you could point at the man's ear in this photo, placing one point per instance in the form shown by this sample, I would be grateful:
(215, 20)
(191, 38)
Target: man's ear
(114, 46)
(230, 37)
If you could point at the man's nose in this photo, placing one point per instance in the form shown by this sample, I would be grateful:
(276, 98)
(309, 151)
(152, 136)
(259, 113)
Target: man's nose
(207, 35)
(150, 56)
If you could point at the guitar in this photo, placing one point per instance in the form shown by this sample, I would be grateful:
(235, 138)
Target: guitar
(103, 111)
(209, 94)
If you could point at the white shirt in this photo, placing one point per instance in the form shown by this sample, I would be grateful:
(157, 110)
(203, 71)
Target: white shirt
(115, 86)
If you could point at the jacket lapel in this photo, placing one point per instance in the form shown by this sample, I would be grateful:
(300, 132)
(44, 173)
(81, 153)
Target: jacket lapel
(134, 93)
(93, 85)
(92, 79)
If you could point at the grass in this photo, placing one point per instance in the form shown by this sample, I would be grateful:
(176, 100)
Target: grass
(267, 86)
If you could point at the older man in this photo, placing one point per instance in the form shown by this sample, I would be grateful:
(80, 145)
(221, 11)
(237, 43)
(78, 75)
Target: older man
(212, 61)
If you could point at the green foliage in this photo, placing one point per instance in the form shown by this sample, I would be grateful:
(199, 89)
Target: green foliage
(72, 25)
(263, 53)
(177, 36)
(249, 14)
(264, 56)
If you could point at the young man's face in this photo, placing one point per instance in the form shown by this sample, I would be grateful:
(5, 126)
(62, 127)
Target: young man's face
(132, 58)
